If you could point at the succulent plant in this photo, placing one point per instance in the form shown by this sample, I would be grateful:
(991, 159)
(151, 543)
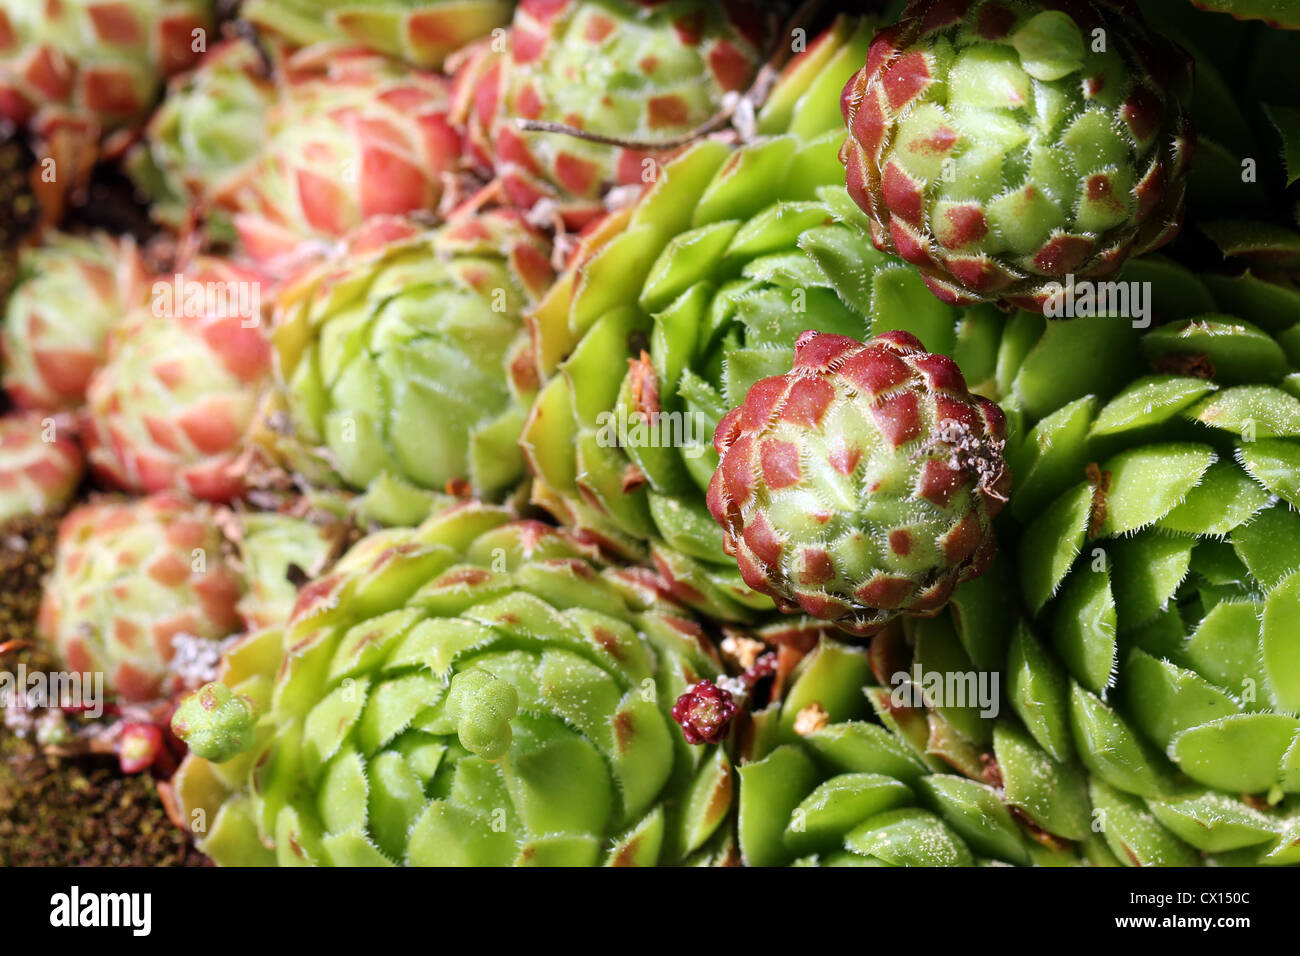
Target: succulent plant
(130, 578)
(78, 76)
(279, 553)
(405, 361)
(215, 722)
(353, 136)
(1160, 642)
(40, 467)
(474, 691)
(862, 484)
(71, 291)
(421, 32)
(1000, 146)
(208, 132)
(640, 72)
(1141, 628)
(96, 63)
(173, 403)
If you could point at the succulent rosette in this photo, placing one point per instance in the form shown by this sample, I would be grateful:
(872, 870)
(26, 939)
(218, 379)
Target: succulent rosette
(1141, 629)
(1162, 610)
(473, 691)
(79, 76)
(354, 135)
(40, 466)
(93, 63)
(862, 484)
(637, 72)
(405, 362)
(279, 553)
(208, 132)
(130, 578)
(173, 404)
(421, 32)
(71, 291)
(999, 147)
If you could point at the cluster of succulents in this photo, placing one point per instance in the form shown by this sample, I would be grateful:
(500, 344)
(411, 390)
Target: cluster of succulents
(660, 432)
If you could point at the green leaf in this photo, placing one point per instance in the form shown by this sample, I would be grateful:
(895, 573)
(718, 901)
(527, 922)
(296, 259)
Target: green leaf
(978, 815)
(1281, 643)
(822, 819)
(847, 263)
(1270, 545)
(1276, 13)
(1225, 648)
(1275, 464)
(900, 300)
(1083, 628)
(831, 677)
(1053, 375)
(1251, 411)
(909, 838)
(1261, 243)
(747, 183)
(939, 652)
(1051, 544)
(1286, 120)
(1175, 291)
(1038, 689)
(770, 790)
(1149, 401)
(1134, 833)
(1113, 750)
(1148, 568)
(1052, 457)
(1149, 482)
(1213, 822)
(689, 258)
(1225, 498)
(776, 229)
(982, 612)
(860, 747)
(686, 526)
(1050, 45)
(1239, 351)
(708, 802)
(1270, 305)
(1164, 699)
(1243, 753)
(1051, 793)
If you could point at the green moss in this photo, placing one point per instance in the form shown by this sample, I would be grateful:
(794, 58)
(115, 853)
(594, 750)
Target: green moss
(82, 813)
(22, 570)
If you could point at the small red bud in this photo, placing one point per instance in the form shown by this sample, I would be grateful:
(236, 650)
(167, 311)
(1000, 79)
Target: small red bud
(138, 747)
(705, 712)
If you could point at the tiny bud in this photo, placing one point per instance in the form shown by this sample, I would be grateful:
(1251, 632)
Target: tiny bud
(216, 723)
(481, 706)
(704, 713)
(138, 747)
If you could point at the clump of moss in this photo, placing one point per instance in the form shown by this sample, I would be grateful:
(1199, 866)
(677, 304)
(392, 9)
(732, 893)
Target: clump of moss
(82, 812)
(27, 545)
